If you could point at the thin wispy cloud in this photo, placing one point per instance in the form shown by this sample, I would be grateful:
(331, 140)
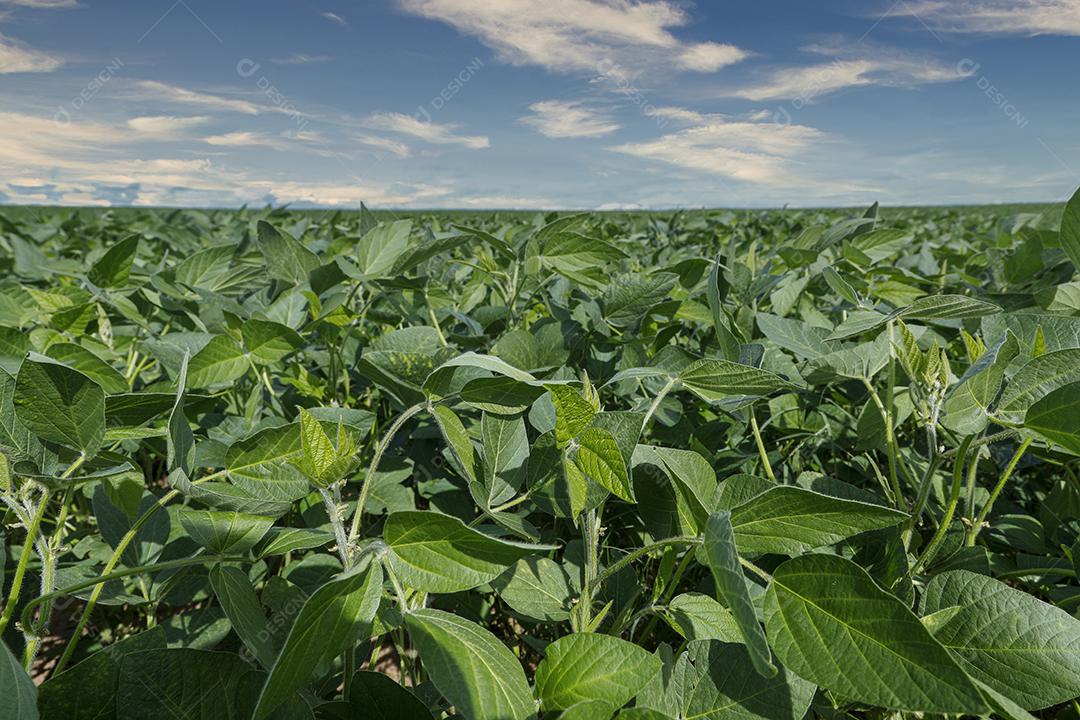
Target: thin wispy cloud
(393, 147)
(427, 131)
(42, 4)
(850, 66)
(159, 91)
(567, 119)
(165, 126)
(301, 59)
(336, 19)
(580, 35)
(1008, 17)
(16, 57)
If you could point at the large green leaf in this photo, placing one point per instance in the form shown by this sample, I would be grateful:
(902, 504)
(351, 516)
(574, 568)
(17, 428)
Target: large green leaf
(260, 464)
(60, 405)
(713, 380)
(224, 532)
(333, 619)
(114, 267)
(380, 247)
(440, 554)
(1057, 417)
(218, 363)
(1037, 379)
(90, 365)
(722, 556)
(789, 520)
(1070, 230)
(153, 684)
(472, 669)
(725, 686)
(587, 666)
(286, 258)
(237, 597)
(18, 694)
(377, 697)
(1021, 647)
(829, 623)
(599, 457)
(537, 587)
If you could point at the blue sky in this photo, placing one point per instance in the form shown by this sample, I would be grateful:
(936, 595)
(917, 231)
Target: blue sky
(538, 103)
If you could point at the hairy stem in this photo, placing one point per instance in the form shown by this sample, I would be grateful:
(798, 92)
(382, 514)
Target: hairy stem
(976, 526)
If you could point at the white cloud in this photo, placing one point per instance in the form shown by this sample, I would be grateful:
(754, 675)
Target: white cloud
(1013, 17)
(85, 161)
(153, 90)
(579, 35)
(165, 126)
(678, 114)
(16, 57)
(710, 56)
(336, 19)
(301, 59)
(243, 139)
(427, 131)
(42, 4)
(566, 119)
(502, 202)
(392, 146)
(739, 150)
(849, 68)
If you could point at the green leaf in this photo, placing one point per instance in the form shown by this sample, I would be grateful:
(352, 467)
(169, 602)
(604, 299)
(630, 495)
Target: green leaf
(1021, 647)
(380, 247)
(697, 616)
(259, 464)
(18, 694)
(946, 307)
(237, 598)
(286, 258)
(789, 520)
(458, 440)
(89, 364)
(1070, 230)
(722, 556)
(333, 619)
(506, 455)
(472, 669)
(586, 666)
(154, 683)
(322, 460)
(281, 540)
(269, 342)
(114, 267)
(1037, 379)
(60, 405)
(537, 587)
(223, 532)
(377, 697)
(440, 554)
(599, 457)
(218, 363)
(829, 623)
(713, 380)
(573, 413)
(1057, 417)
(628, 299)
(724, 686)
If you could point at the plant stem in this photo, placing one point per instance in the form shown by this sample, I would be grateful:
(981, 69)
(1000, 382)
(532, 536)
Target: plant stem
(336, 521)
(387, 438)
(890, 438)
(24, 560)
(434, 320)
(118, 575)
(760, 445)
(976, 526)
(954, 499)
(634, 555)
(114, 561)
(656, 402)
